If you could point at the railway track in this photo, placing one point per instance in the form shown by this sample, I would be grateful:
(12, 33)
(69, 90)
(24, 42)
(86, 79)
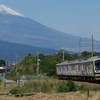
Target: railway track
(88, 84)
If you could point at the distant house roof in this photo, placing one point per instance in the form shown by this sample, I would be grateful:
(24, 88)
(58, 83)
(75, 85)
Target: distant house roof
(2, 70)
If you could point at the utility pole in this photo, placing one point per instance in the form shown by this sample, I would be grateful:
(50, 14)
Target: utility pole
(37, 64)
(92, 45)
(16, 67)
(63, 55)
(79, 46)
(6, 67)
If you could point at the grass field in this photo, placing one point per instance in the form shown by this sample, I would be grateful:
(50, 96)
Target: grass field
(60, 96)
(76, 95)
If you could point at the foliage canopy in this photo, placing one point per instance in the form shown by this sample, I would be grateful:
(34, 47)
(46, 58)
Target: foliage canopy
(47, 63)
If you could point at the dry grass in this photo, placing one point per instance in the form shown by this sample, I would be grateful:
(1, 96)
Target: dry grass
(96, 96)
(55, 96)
(7, 87)
(62, 96)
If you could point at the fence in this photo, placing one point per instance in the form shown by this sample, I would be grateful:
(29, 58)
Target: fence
(25, 78)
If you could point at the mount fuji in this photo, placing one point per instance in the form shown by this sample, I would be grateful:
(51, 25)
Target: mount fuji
(15, 28)
(6, 10)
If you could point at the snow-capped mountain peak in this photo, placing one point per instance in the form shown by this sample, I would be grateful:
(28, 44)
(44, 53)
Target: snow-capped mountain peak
(6, 10)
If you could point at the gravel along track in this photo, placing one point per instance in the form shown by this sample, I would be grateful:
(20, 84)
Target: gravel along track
(88, 84)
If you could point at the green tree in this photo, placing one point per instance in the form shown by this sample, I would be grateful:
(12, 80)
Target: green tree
(86, 54)
(2, 62)
(48, 65)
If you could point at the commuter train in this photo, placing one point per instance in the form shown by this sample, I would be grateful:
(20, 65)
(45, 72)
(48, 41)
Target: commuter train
(88, 69)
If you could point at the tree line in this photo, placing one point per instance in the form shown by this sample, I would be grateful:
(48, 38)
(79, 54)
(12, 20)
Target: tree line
(47, 63)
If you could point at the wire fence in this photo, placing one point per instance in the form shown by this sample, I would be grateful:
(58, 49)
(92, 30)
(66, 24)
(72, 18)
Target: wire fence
(26, 78)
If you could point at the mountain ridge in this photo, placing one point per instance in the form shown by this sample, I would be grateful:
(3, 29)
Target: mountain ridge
(6, 10)
(15, 29)
(9, 51)
(23, 30)
(37, 30)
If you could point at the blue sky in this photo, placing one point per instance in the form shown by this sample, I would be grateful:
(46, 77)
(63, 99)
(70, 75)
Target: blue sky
(76, 17)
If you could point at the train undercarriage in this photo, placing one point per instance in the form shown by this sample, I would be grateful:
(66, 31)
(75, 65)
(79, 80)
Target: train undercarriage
(79, 78)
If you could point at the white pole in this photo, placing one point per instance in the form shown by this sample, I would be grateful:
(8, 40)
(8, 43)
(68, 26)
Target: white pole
(92, 45)
(37, 64)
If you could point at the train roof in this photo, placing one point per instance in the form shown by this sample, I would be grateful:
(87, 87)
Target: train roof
(79, 61)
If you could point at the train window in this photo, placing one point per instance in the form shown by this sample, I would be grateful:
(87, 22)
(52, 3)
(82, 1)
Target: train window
(97, 64)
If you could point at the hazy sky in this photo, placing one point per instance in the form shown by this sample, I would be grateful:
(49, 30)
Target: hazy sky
(76, 17)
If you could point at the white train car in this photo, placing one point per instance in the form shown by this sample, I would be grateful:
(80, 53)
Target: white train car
(88, 69)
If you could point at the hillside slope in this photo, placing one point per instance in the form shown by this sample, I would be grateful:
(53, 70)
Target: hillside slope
(16, 28)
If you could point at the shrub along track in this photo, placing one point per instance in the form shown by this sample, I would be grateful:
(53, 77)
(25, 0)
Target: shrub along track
(89, 84)
(59, 96)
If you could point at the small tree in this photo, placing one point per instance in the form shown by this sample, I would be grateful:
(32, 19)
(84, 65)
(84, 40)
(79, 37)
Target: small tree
(68, 86)
(2, 62)
(71, 86)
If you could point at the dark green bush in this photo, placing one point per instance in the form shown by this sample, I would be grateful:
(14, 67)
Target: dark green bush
(68, 86)
(71, 86)
(96, 88)
(16, 91)
(47, 86)
(61, 88)
(82, 88)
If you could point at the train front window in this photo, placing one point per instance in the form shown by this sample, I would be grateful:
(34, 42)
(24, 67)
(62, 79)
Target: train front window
(97, 65)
